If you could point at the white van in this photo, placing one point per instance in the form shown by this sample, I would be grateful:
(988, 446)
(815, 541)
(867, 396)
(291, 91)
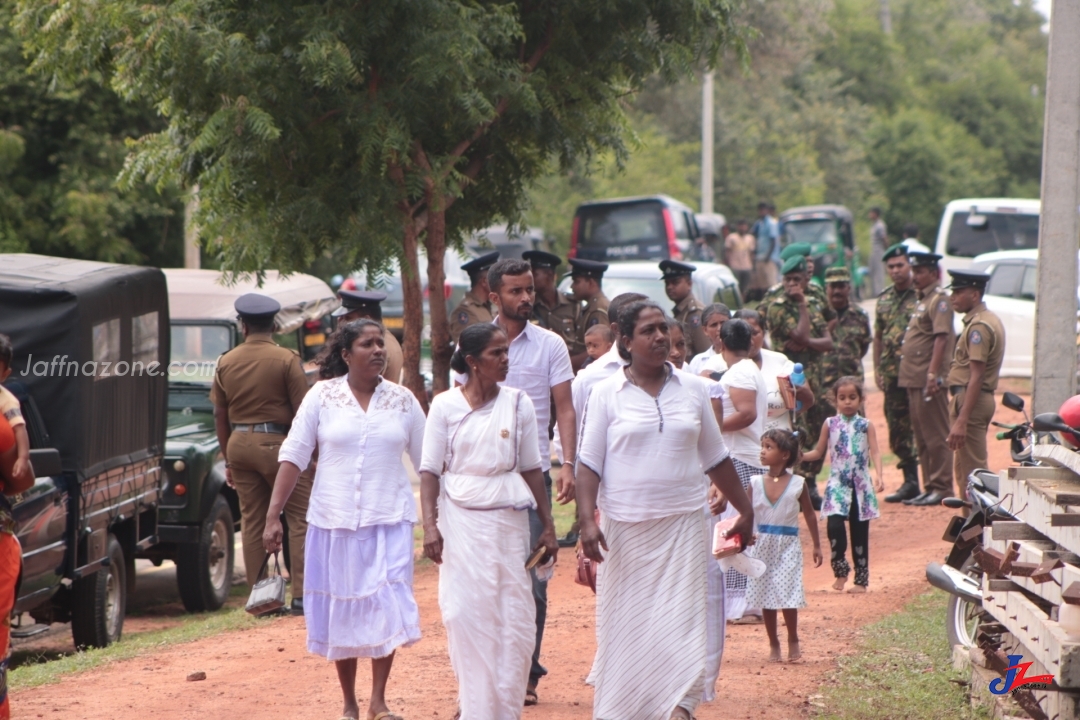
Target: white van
(975, 226)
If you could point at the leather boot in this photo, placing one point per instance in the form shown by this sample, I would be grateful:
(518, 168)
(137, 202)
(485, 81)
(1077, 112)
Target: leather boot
(909, 490)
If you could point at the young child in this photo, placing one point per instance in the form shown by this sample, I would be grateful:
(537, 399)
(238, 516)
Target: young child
(778, 498)
(598, 340)
(14, 449)
(853, 445)
(677, 333)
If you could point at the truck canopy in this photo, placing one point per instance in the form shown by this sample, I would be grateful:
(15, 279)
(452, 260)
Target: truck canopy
(204, 295)
(91, 347)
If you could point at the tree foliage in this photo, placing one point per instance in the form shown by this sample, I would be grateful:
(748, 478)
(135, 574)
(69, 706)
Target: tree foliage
(60, 153)
(370, 126)
(831, 109)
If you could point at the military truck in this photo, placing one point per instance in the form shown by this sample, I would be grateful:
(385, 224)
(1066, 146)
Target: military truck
(91, 343)
(199, 513)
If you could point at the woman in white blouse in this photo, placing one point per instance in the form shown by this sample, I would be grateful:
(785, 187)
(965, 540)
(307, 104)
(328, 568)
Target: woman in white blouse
(358, 597)
(481, 440)
(773, 365)
(649, 431)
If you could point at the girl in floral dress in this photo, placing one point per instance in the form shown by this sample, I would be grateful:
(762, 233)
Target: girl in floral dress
(849, 494)
(779, 497)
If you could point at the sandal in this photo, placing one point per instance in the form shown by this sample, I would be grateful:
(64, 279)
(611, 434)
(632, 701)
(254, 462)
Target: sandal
(387, 716)
(531, 698)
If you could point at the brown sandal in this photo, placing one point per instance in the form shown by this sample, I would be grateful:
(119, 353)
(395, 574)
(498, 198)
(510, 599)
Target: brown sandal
(531, 698)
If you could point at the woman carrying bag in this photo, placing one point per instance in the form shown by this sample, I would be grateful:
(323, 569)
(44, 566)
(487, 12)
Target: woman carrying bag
(358, 598)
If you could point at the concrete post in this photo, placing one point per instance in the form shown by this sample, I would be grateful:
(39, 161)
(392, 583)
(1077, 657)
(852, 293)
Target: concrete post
(707, 143)
(192, 258)
(1059, 223)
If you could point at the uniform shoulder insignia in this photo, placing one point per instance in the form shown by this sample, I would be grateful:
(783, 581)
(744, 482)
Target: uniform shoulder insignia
(942, 306)
(975, 337)
(694, 319)
(463, 317)
(592, 321)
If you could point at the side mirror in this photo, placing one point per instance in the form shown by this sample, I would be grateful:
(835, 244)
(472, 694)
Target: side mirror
(954, 503)
(46, 462)
(1013, 402)
(1049, 422)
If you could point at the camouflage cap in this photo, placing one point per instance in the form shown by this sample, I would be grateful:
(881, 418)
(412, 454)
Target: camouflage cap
(837, 275)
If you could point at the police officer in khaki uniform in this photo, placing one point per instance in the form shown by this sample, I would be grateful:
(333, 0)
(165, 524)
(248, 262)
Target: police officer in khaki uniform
(680, 290)
(924, 361)
(553, 310)
(258, 387)
(359, 305)
(973, 377)
(587, 277)
(475, 307)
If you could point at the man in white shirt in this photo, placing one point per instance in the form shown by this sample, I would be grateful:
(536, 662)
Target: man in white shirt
(539, 366)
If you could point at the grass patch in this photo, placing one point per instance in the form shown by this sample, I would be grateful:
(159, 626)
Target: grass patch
(46, 668)
(903, 668)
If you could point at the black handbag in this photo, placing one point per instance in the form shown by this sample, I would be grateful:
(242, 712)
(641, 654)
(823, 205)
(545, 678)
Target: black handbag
(268, 594)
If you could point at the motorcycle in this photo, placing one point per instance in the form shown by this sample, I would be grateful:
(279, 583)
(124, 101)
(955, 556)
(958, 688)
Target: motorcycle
(960, 574)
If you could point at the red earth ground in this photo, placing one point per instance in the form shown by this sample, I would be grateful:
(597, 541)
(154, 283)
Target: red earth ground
(266, 672)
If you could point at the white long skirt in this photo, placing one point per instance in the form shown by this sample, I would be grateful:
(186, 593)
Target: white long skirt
(358, 598)
(485, 595)
(716, 625)
(651, 602)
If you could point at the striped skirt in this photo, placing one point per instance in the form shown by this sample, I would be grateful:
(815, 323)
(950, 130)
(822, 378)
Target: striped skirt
(651, 600)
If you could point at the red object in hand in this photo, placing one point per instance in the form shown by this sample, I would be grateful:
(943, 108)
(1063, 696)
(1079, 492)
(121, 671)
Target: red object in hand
(7, 435)
(724, 546)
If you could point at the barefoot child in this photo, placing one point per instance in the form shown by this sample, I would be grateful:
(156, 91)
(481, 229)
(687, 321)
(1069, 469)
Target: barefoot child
(852, 442)
(778, 498)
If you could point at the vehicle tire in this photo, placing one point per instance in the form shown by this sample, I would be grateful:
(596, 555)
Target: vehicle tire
(961, 617)
(100, 602)
(204, 569)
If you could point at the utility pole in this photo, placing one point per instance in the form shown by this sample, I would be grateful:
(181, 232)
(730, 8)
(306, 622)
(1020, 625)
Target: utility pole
(1059, 220)
(191, 231)
(707, 143)
(886, 18)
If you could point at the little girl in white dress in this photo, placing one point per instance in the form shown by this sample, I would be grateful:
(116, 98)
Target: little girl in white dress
(778, 498)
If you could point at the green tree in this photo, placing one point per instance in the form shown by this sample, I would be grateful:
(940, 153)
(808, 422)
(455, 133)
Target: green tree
(373, 126)
(60, 153)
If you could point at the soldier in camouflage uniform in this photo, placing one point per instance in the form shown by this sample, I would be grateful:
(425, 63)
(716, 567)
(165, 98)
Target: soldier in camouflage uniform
(850, 332)
(812, 289)
(895, 306)
(797, 327)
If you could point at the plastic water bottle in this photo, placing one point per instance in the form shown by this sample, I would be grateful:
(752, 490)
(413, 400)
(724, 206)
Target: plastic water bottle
(797, 379)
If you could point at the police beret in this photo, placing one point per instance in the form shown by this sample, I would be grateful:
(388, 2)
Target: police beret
(794, 264)
(895, 251)
(966, 278)
(587, 268)
(541, 259)
(837, 275)
(921, 259)
(256, 305)
(674, 268)
(357, 300)
(481, 263)
(799, 249)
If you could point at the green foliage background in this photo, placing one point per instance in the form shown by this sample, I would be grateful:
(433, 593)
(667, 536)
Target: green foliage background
(60, 153)
(831, 109)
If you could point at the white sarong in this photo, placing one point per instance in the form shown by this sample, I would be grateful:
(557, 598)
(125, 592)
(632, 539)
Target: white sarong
(651, 628)
(485, 592)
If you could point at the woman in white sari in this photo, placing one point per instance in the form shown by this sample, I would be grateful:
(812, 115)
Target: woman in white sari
(481, 440)
(649, 431)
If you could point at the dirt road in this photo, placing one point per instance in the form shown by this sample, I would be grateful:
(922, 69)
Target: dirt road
(267, 673)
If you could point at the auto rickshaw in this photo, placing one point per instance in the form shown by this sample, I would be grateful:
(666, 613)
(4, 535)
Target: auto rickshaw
(828, 230)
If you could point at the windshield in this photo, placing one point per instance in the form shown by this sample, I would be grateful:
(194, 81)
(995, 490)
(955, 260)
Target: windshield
(195, 350)
(1002, 231)
(809, 231)
(630, 231)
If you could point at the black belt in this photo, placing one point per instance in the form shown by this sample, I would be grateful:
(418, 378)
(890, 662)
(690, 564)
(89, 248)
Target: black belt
(955, 390)
(270, 428)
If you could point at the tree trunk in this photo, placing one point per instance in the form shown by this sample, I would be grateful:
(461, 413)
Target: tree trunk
(414, 311)
(435, 242)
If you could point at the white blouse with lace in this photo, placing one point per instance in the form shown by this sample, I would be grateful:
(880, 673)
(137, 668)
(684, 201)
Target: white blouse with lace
(360, 478)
